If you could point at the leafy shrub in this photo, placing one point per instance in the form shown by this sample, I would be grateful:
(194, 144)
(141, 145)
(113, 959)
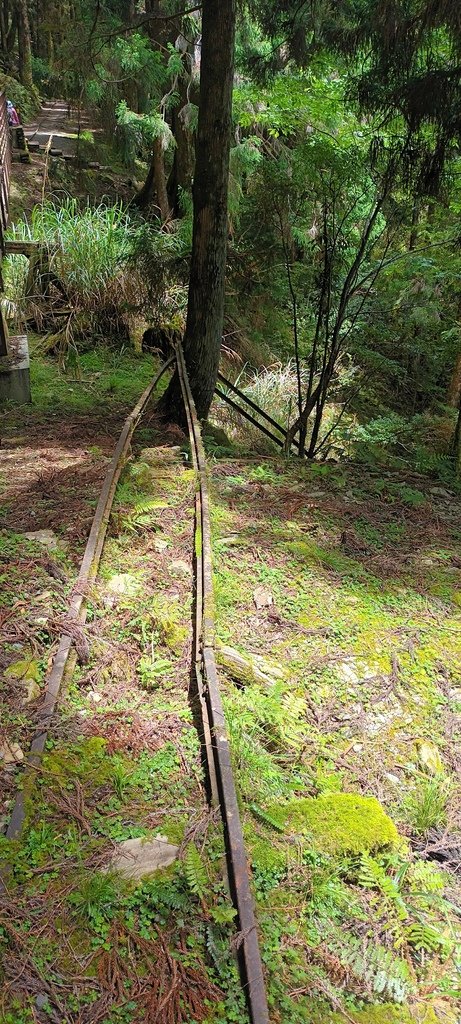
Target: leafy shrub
(41, 73)
(136, 132)
(26, 101)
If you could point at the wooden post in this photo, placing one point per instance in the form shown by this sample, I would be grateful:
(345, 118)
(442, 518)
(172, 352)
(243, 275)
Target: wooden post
(3, 335)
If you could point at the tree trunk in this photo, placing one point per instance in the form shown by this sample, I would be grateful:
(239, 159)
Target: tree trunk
(4, 27)
(454, 387)
(182, 171)
(155, 183)
(415, 216)
(205, 310)
(456, 442)
(24, 45)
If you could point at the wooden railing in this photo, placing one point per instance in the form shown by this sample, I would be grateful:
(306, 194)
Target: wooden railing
(5, 173)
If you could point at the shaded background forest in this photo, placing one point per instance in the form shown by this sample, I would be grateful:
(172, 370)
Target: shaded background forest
(343, 299)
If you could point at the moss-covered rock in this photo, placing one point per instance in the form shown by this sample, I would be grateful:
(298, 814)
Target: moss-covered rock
(385, 1013)
(338, 823)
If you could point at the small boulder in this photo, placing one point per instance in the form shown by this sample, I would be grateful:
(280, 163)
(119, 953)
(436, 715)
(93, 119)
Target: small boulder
(338, 823)
(180, 567)
(26, 672)
(11, 753)
(262, 598)
(121, 585)
(46, 537)
(136, 858)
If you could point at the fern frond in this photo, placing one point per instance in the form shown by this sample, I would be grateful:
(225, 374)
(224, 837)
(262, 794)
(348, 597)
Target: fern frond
(424, 937)
(195, 871)
(212, 945)
(144, 515)
(372, 876)
(266, 818)
(376, 969)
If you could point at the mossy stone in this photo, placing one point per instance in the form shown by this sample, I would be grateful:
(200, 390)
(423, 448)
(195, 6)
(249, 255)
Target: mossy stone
(384, 1013)
(338, 823)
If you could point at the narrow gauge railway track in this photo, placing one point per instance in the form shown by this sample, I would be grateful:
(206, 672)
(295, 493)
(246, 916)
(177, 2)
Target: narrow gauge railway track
(217, 754)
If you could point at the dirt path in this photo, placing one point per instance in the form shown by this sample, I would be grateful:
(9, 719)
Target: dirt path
(54, 119)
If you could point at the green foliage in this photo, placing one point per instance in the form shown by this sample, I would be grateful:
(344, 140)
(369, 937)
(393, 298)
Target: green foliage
(25, 101)
(425, 805)
(425, 937)
(152, 668)
(338, 822)
(106, 376)
(87, 246)
(145, 513)
(95, 897)
(18, 1014)
(195, 871)
(387, 976)
(372, 875)
(136, 132)
(223, 913)
(266, 818)
(154, 901)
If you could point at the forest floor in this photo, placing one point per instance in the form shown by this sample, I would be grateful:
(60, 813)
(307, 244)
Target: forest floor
(338, 602)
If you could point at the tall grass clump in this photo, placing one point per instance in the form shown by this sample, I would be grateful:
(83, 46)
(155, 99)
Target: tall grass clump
(425, 805)
(274, 390)
(87, 247)
(15, 275)
(78, 284)
(97, 271)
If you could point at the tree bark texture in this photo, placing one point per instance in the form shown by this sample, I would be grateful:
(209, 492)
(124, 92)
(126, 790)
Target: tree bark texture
(456, 442)
(205, 310)
(454, 387)
(155, 183)
(24, 45)
(182, 171)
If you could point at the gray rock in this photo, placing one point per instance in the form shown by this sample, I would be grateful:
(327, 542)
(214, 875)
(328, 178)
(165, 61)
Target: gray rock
(11, 753)
(46, 537)
(181, 567)
(136, 858)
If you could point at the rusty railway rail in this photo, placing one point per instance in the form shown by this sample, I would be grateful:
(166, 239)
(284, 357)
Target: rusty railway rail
(221, 784)
(77, 606)
(217, 743)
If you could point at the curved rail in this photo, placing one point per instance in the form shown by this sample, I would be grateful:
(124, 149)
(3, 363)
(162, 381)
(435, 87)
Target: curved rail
(77, 607)
(218, 756)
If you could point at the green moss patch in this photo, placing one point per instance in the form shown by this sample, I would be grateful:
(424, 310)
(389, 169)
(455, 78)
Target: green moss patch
(338, 823)
(386, 1013)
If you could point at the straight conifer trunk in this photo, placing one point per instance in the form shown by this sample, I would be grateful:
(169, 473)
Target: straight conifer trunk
(24, 44)
(205, 310)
